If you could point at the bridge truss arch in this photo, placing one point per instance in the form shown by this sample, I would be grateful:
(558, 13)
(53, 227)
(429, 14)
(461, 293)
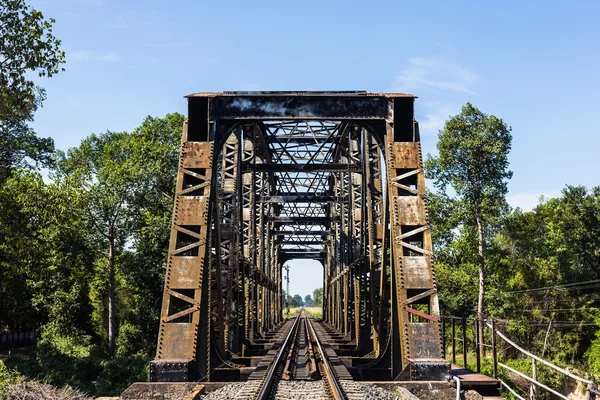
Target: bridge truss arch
(266, 177)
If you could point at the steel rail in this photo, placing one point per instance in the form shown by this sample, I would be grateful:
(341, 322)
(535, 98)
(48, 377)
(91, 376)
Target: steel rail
(334, 386)
(266, 387)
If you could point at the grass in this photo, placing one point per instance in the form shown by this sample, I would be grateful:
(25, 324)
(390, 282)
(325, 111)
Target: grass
(315, 312)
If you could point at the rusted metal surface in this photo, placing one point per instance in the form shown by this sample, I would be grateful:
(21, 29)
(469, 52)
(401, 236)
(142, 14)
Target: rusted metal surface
(267, 177)
(411, 254)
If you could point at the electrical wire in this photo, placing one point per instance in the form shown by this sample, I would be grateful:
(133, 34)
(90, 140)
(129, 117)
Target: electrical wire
(571, 286)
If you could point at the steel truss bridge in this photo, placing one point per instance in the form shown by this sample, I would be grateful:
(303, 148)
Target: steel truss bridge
(267, 177)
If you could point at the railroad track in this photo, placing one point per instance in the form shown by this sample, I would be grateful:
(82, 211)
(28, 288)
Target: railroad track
(303, 365)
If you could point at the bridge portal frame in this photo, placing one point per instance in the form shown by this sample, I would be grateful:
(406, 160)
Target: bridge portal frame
(221, 293)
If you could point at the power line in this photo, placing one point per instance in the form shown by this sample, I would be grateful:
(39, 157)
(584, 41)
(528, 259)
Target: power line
(571, 286)
(581, 309)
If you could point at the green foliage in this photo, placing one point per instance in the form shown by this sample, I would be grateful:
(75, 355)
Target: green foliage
(592, 354)
(128, 342)
(473, 160)
(8, 378)
(53, 260)
(529, 257)
(83, 368)
(26, 45)
(45, 255)
(318, 297)
(308, 301)
(297, 301)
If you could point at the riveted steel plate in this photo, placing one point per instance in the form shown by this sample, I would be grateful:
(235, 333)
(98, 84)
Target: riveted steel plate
(405, 155)
(191, 210)
(197, 154)
(410, 210)
(170, 370)
(417, 272)
(185, 271)
(425, 339)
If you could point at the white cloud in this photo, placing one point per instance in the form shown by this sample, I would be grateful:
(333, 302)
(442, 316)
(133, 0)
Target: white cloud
(435, 117)
(85, 55)
(528, 201)
(437, 74)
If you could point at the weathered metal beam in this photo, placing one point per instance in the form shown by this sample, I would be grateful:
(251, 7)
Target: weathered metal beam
(307, 254)
(302, 257)
(302, 198)
(321, 167)
(300, 220)
(303, 243)
(317, 139)
(301, 233)
(301, 106)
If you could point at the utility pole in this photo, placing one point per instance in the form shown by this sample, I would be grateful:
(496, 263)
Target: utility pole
(287, 288)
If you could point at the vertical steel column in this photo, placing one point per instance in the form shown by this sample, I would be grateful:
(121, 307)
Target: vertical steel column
(178, 348)
(415, 295)
(376, 229)
(356, 233)
(229, 217)
(248, 261)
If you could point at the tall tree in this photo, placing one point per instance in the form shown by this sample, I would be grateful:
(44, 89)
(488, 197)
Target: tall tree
(318, 297)
(129, 181)
(308, 301)
(45, 256)
(298, 301)
(26, 45)
(100, 165)
(473, 159)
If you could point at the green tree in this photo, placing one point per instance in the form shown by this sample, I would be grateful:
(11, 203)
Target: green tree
(129, 181)
(308, 301)
(545, 260)
(100, 166)
(473, 159)
(154, 147)
(297, 301)
(26, 45)
(318, 297)
(45, 256)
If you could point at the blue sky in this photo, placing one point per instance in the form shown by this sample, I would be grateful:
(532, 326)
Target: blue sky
(535, 64)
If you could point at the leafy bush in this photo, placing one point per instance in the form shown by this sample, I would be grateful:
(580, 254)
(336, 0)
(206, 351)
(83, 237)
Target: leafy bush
(8, 378)
(118, 374)
(76, 361)
(129, 340)
(592, 355)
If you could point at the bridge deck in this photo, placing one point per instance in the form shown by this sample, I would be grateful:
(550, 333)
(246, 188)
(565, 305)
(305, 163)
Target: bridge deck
(471, 378)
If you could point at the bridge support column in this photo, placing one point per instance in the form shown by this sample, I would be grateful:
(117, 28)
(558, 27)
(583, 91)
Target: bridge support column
(415, 300)
(179, 356)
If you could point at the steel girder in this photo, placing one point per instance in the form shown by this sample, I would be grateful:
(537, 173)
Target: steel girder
(267, 177)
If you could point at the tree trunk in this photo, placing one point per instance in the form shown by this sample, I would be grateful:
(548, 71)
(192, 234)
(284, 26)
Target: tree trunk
(112, 317)
(481, 264)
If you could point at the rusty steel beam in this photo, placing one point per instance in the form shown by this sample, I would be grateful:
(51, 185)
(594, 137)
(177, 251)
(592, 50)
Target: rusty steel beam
(302, 242)
(301, 198)
(330, 167)
(300, 220)
(301, 233)
(302, 106)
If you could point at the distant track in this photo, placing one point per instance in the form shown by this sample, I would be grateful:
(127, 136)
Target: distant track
(301, 364)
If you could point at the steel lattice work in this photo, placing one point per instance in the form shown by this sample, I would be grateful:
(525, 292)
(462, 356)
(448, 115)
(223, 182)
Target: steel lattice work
(267, 177)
